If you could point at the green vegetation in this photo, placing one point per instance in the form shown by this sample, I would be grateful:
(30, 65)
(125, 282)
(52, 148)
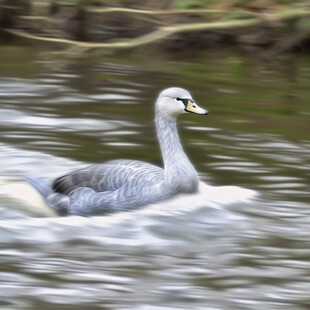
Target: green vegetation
(187, 4)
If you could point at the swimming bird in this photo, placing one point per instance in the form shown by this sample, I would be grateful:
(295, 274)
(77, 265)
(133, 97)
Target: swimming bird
(121, 185)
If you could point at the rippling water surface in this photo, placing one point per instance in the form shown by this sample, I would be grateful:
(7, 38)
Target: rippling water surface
(242, 255)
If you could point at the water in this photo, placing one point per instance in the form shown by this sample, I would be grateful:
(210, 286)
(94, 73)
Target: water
(56, 117)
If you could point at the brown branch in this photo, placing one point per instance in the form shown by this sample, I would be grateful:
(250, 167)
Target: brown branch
(163, 32)
(150, 12)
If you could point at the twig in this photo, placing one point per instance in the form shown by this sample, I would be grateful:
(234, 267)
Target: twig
(290, 41)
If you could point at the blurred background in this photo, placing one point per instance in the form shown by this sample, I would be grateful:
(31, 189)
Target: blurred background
(78, 81)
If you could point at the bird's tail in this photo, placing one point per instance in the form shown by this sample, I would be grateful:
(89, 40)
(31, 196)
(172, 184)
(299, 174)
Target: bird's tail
(42, 186)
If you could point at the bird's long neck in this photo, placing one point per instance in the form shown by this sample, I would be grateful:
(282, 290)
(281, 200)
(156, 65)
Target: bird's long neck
(178, 169)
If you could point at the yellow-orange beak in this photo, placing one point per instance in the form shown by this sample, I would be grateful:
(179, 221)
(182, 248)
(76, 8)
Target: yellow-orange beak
(192, 107)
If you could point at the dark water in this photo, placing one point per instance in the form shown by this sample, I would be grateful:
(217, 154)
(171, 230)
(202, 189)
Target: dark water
(56, 117)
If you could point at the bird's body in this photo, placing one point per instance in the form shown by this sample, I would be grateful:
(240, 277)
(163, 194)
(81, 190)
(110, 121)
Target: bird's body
(120, 185)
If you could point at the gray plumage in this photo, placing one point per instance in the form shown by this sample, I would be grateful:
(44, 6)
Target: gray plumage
(121, 185)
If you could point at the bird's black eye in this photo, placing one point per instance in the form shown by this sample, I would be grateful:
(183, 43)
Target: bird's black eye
(178, 99)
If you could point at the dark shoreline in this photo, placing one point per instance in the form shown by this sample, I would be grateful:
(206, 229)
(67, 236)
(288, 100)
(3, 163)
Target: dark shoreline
(90, 27)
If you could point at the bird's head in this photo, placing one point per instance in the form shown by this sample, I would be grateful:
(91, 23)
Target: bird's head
(174, 101)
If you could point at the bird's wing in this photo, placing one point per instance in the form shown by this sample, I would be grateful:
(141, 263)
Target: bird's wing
(108, 176)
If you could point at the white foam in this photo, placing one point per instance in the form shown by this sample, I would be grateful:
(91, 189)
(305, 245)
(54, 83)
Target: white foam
(23, 195)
